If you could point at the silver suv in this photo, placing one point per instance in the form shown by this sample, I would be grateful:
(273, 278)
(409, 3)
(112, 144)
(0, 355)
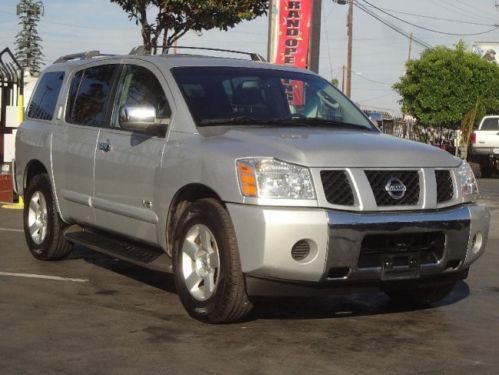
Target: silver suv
(243, 179)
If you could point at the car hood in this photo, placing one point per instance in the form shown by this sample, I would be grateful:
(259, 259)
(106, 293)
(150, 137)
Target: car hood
(327, 148)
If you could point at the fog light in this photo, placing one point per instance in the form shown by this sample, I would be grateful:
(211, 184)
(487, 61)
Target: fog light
(476, 242)
(300, 250)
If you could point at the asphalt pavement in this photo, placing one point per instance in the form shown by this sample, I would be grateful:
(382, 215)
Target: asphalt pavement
(91, 314)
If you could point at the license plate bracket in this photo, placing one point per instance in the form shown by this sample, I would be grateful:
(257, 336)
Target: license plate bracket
(401, 266)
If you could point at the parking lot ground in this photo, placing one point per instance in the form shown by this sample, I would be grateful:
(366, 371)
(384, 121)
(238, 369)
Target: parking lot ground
(91, 314)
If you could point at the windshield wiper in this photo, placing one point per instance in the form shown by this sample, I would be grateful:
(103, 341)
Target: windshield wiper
(312, 121)
(293, 120)
(241, 120)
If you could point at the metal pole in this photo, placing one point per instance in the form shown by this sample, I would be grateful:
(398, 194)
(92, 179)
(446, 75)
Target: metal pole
(271, 31)
(343, 81)
(315, 36)
(350, 44)
(410, 48)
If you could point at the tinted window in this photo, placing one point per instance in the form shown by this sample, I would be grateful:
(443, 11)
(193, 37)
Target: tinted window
(140, 86)
(44, 99)
(223, 96)
(89, 95)
(490, 124)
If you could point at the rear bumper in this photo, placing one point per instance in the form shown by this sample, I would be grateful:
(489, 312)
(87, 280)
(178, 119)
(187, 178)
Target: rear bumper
(14, 181)
(266, 236)
(485, 152)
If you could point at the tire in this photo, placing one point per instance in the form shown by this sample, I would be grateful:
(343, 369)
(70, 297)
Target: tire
(476, 168)
(486, 171)
(420, 297)
(206, 265)
(45, 239)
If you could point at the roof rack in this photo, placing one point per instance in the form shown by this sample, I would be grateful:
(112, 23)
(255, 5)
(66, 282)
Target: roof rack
(140, 50)
(80, 56)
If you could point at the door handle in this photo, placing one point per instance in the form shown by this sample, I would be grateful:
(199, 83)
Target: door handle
(103, 146)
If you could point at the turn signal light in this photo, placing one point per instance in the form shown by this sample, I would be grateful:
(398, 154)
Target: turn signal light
(247, 180)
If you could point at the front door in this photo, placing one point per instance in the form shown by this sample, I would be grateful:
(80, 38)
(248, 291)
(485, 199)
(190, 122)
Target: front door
(127, 164)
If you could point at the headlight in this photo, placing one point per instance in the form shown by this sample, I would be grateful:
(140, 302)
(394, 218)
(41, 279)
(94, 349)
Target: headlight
(467, 183)
(274, 179)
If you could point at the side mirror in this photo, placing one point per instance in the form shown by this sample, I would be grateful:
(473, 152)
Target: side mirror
(140, 118)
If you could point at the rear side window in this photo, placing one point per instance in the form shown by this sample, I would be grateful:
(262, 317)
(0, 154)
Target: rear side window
(490, 124)
(89, 95)
(44, 99)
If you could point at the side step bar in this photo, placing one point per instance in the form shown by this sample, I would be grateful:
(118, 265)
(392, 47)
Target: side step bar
(139, 254)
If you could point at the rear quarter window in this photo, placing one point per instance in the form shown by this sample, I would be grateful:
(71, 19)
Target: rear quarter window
(44, 100)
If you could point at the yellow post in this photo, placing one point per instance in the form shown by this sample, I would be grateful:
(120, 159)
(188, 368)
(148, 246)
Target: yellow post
(20, 109)
(20, 117)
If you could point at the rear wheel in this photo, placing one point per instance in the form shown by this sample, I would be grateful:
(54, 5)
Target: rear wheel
(43, 228)
(420, 297)
(206, 265)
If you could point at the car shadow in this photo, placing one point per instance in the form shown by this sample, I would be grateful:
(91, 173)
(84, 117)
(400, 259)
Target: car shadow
(351, 305)
(281, 308)
(156, 279)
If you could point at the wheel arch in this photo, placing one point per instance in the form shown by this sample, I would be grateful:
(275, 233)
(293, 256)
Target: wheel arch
(181, 200)
(33, 168)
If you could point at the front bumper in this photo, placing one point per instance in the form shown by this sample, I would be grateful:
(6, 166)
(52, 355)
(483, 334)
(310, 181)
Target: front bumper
(266, 236)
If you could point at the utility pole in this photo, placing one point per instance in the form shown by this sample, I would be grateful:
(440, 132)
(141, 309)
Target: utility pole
(350, 45)
(271, 31)
(410, 48)
(315, 36)
(343, 80)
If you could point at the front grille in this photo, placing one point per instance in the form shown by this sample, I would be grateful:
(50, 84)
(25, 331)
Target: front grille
(374, 248)
(445, 187)
(380, 179)
(337, 188)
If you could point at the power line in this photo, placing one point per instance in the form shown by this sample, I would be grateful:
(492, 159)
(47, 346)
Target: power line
(392, 26)
(437, 18)
(426, 28)
(472, 10)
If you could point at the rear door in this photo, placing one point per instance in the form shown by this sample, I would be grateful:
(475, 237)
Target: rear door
(75, 139)
(128, 163)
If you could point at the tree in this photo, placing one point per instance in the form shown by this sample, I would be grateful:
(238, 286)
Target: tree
(445, 84)
(28, 42)
(175, 17)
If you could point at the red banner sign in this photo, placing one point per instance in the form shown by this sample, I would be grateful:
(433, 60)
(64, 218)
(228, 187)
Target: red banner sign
(293, 41)
(294, 32)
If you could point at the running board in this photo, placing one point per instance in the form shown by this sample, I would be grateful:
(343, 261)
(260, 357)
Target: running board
(129, 251)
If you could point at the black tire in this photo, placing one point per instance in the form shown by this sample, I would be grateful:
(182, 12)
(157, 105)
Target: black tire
(486, 171)
(420, 297)
(54, 246)
(228, 302)
(476, 168)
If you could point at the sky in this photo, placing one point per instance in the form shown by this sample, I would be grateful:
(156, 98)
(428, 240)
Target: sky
(379, 53)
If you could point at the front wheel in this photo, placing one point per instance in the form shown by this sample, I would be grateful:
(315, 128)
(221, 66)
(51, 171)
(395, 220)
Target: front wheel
(43, 228)
(420, 297)
(206, 265)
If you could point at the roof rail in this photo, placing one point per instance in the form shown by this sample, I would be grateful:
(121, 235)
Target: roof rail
(87, 55)
(254, 56)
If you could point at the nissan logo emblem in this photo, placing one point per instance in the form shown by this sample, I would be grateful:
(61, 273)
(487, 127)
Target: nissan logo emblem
(395, 188)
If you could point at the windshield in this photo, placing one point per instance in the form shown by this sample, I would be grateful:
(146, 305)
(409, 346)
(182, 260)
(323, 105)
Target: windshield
(232, 96)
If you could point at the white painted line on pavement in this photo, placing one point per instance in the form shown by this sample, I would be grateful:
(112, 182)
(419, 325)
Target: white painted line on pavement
(33, 276)
(11, 230)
